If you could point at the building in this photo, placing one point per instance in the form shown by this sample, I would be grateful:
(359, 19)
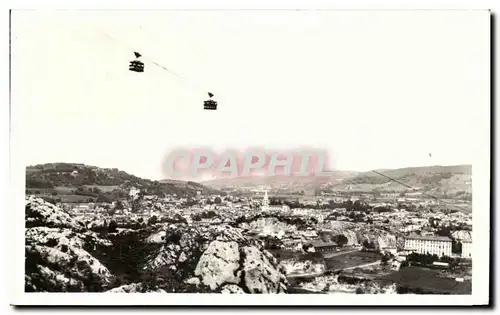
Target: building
(324, 247)
(433, 245)
(355, 198)
(265, 202)
(467, 248)
(81, 208)
(134, 193)
(391, 250)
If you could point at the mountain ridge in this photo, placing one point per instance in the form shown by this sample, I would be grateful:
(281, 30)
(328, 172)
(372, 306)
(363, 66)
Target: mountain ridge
(437, 178)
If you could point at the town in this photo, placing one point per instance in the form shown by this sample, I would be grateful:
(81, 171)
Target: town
(360, 243)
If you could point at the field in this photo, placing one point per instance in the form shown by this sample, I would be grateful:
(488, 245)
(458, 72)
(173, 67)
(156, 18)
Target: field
(104, 189)
(67, 194)
(285, 255)
(62, 196)
(351, 259)
(427, 280)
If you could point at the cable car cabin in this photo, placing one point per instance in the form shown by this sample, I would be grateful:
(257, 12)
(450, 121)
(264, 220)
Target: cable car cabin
(210, 105)
(136, 66)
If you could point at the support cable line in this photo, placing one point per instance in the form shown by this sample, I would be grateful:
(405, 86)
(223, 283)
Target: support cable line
(137, 65)
(424, 193)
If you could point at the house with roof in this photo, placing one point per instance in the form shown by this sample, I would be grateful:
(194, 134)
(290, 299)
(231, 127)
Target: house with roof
(324, 247)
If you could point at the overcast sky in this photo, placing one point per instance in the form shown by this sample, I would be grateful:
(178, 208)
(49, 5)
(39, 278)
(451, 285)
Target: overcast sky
(376, 89)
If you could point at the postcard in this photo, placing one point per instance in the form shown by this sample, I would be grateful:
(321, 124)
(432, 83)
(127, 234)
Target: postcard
(250, 157)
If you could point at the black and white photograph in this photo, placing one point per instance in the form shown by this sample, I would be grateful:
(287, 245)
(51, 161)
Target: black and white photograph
(250, 157)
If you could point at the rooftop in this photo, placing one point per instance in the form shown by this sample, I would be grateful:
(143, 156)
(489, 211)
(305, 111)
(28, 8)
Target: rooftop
(428, 238)
(320, 243)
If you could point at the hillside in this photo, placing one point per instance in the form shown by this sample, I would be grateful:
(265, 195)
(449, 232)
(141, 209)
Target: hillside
(451, 180)
(80, 182)
(279, 181)
(440, 179)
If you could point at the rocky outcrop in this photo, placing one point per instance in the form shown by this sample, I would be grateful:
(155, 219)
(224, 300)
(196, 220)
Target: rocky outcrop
(376, 239)
(361, 234)
(294, 266)
(461, 235)
(218, 259)
(134, 288)
(260, 273)
(57, 261)
(56, 249)
(268, 226)
(219, 264)
(42, 213)
(63, 255)
(331, 284)
(232, 288)
(334, 228)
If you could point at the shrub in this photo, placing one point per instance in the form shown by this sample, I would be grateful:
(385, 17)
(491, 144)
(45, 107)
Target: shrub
(112, 227)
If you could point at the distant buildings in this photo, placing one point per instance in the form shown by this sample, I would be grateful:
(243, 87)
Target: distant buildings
(433, 245)
(81, 208)
(134, 193)
(355, 198)
(466, 248)
(198, 195)
(324, 247)
(265, 207)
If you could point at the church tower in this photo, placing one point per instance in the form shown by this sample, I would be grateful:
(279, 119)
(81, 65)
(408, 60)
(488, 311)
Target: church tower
(265, 202)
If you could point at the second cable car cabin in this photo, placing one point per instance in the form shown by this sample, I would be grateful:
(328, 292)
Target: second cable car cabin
(136, 65)
(210, 104)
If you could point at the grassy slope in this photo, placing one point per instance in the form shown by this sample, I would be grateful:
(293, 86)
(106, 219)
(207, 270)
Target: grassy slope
(56, 179)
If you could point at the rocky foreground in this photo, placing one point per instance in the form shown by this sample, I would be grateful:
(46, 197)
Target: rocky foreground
(66, 255)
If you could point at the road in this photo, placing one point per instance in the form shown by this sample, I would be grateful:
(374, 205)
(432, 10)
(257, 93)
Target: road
(340, 253)
(364, 265)
(304, 275)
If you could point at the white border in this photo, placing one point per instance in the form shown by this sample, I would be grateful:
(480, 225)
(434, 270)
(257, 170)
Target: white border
(480, 196)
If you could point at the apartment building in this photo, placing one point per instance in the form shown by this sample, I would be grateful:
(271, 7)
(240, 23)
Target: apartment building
(433, 245)
(467, 249)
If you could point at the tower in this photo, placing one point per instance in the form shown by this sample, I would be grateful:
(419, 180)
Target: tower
(265, 202)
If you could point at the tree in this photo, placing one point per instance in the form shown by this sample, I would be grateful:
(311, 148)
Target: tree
(152, 220)
(369, 245)
(433, 222)
(79, 190)
(110, 211)
(384, 260)
(444, 231)
(348, 205)
(456, 247)
(306, 247)
(118, 205)
(112, 227)
(340, 239)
